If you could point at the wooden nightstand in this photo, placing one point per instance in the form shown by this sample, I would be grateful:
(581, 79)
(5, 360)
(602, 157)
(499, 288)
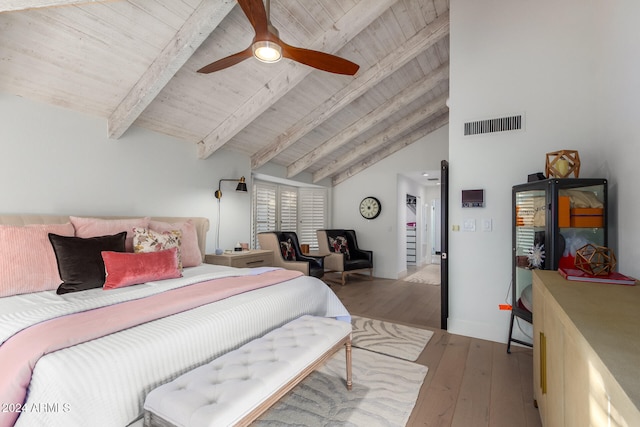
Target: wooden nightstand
(252, 258)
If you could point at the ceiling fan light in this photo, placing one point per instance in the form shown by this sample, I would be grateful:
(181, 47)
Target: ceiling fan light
(267, 51)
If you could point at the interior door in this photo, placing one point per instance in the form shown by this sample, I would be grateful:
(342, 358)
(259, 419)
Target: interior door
(444, 234)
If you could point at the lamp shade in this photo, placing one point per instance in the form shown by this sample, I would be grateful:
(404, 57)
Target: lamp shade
(242, 185)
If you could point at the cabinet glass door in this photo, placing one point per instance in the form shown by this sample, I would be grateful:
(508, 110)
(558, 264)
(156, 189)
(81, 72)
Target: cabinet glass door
(581, 220)
(530, 250)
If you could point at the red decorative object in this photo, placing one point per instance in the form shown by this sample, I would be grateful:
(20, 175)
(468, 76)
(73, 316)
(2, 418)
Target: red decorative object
(613, 278)
(595, 260)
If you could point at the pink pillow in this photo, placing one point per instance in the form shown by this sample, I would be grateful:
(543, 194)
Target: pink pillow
(189, 249)
(96, 227)
(27, 261)
(147, 240)
(125, 269)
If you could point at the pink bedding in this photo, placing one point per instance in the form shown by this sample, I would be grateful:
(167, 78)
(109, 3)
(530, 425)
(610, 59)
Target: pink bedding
(19, 354)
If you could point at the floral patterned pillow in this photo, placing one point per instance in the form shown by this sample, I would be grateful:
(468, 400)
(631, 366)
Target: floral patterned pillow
(146, 240)
(287, 250)
(339, 244)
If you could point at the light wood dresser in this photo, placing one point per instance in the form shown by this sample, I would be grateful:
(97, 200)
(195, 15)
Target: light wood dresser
(252, 258)
(586, 357)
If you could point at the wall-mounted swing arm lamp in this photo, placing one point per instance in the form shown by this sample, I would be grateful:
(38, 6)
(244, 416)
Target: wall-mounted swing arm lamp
(241, 187)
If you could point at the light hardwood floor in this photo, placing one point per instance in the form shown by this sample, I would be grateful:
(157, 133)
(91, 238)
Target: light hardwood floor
(470, 382)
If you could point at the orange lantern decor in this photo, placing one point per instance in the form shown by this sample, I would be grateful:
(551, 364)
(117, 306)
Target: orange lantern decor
(561, 164)
(595, 260)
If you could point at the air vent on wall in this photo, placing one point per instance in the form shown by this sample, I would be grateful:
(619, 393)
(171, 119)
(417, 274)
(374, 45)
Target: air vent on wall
(493, 125)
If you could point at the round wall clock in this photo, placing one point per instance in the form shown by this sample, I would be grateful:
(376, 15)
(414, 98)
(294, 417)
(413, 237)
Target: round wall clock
(370, 207)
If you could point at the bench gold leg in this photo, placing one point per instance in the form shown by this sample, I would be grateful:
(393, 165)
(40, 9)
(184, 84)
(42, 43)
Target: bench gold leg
(348, 352)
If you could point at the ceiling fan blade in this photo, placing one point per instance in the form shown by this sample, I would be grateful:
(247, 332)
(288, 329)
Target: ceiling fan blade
(227, 62)
(320, 60)
(257, 15)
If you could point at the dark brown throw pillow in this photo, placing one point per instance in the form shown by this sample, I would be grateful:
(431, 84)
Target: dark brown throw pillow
(80, 262)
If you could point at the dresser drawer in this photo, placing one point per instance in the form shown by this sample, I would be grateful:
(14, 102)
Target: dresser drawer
(255, 258)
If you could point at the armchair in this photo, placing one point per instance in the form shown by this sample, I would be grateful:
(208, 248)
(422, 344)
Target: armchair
(344, 256)
(287, 253)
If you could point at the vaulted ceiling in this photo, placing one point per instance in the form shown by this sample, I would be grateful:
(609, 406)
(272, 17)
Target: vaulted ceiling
(135, 62)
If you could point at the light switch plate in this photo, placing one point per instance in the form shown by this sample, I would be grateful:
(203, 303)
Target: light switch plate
(486, 224)
(469, 225)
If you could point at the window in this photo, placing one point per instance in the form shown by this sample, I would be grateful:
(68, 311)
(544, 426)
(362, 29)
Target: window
(313, 214)
(288, 203)
(264, 209)
(288, 208)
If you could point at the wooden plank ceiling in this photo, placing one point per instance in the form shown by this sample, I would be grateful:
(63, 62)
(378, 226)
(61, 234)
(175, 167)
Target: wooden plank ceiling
(135, 62)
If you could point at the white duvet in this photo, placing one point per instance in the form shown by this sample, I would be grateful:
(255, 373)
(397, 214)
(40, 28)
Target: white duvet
(104, 382)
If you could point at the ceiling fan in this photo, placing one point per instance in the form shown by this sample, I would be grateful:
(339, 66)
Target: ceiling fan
(267, 46)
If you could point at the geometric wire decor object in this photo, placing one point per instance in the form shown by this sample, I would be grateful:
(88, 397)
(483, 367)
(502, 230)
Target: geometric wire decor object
(595, 260)
(561, 164)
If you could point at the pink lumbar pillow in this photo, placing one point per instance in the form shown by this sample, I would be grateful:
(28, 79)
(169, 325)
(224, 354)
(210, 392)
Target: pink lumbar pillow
(27, 261)
(96, 227)
(189, 249)
(125, 269)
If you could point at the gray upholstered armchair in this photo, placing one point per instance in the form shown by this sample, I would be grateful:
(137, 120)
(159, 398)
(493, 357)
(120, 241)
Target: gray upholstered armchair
(344, 256)
(287, 253)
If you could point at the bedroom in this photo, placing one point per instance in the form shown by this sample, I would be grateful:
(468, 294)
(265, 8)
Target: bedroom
(570, 67)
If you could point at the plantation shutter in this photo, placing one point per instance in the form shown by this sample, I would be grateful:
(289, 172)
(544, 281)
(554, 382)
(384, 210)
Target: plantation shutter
(264, 209)
(288, 209)
(313, 214)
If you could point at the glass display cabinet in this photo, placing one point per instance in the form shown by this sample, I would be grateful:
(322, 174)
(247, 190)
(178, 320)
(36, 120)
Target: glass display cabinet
(551, 219)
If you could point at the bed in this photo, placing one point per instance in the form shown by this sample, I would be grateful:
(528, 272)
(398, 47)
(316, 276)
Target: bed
(103, 381)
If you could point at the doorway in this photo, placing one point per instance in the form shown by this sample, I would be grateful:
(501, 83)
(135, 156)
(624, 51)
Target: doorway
(422, 211)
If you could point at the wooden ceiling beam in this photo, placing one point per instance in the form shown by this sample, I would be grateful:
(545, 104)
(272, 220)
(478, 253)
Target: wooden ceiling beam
(375, 117)
(347, 27)
(204, 19)
(15, 5)
(435, 31)
(389, 149)
(418, 116)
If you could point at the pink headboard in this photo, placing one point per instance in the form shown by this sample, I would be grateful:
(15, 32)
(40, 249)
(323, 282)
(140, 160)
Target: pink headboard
(201, 224)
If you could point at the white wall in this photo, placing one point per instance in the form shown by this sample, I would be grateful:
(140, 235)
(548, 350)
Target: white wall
(382, 234)
(568, 66)
(56, 161)
(618, 107)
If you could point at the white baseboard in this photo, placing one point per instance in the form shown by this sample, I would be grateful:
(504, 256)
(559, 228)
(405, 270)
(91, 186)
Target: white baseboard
(483, 331)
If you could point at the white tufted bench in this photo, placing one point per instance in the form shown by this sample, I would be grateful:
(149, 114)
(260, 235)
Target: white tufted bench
(237, 387)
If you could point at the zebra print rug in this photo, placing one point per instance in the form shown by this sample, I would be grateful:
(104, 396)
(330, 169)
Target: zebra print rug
(387, 338)
(384, 393)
